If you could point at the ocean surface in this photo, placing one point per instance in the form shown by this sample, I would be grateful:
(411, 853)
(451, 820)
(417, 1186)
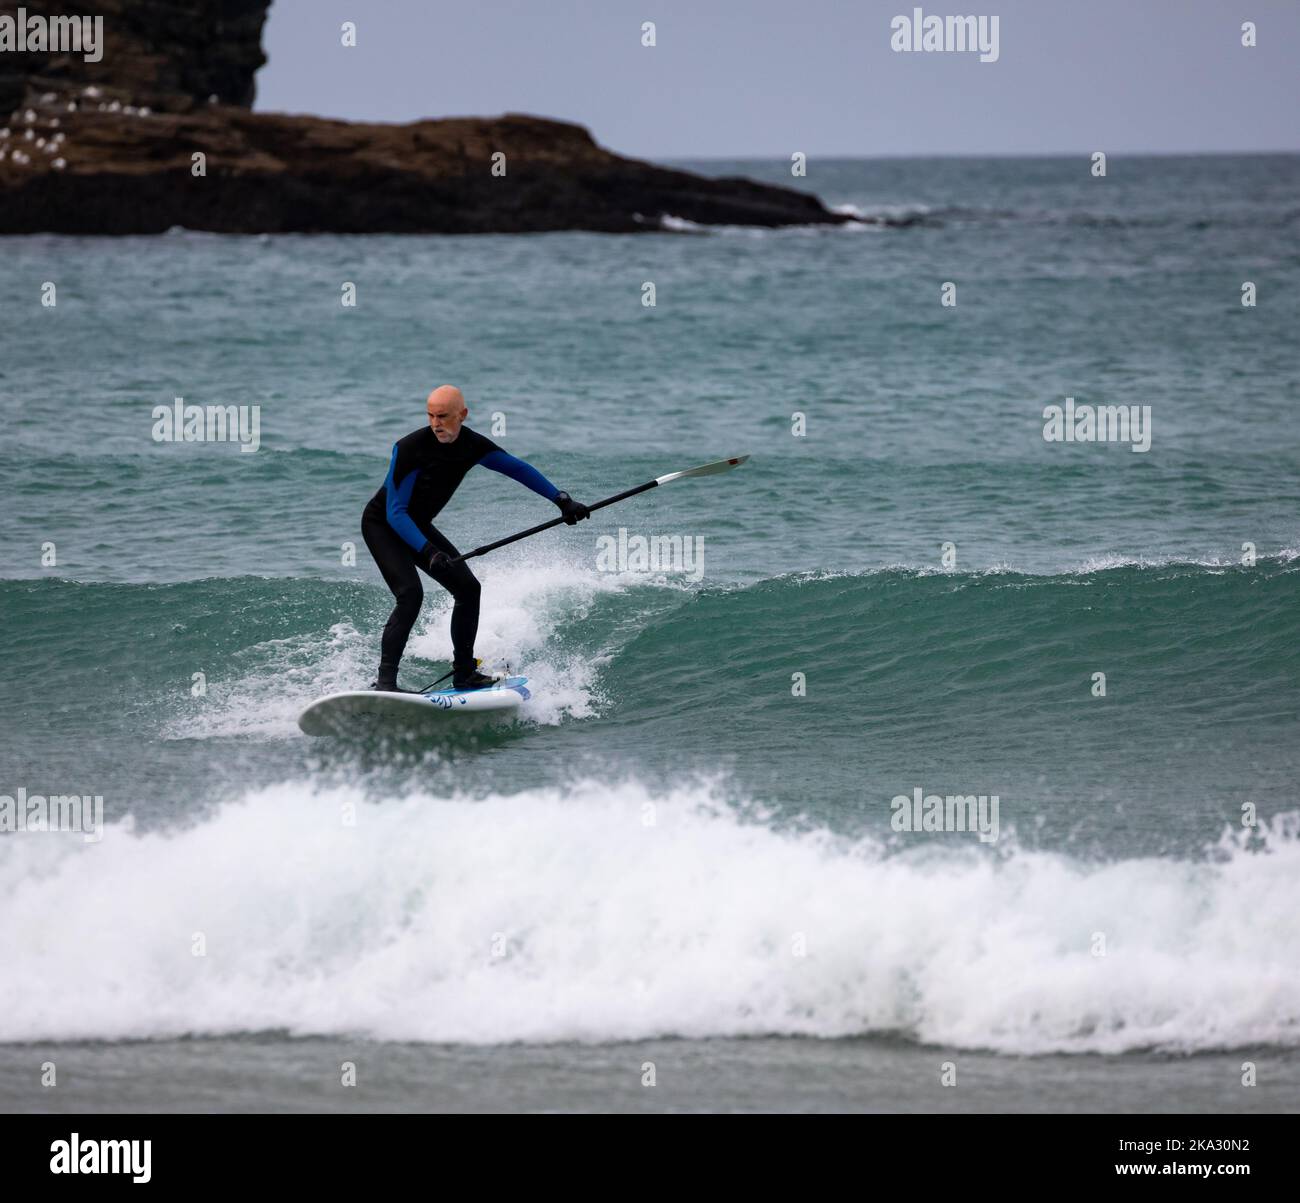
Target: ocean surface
(684, 855)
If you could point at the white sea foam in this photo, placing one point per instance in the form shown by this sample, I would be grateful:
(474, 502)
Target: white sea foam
(885, 213)
(1105, 563)
(609, 929)
(283, 677)
(680, 225)
(528, 598)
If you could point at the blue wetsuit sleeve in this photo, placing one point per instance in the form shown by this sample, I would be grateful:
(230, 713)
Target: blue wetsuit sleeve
(517, 469)
(397, 495)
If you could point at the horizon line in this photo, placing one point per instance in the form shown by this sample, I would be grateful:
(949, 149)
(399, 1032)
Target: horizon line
(1001, 154)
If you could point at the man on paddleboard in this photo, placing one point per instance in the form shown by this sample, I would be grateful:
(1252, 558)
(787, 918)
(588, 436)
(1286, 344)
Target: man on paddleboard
(426, 467)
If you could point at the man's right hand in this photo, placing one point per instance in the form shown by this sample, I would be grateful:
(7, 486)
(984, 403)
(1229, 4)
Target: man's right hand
(431, 559)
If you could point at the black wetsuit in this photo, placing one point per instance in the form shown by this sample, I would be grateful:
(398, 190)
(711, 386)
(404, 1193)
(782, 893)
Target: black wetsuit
(397, 527)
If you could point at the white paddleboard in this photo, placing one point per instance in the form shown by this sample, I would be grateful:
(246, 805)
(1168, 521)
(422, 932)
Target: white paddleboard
(365, 709)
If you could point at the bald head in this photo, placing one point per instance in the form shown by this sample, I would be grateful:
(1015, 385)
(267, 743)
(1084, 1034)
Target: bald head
(446, 410)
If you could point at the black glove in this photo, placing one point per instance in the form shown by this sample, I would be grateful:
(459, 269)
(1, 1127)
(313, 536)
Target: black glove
(431, 559)
(573, 511)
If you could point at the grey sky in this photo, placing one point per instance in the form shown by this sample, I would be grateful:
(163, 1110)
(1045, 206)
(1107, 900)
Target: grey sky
(763, 78)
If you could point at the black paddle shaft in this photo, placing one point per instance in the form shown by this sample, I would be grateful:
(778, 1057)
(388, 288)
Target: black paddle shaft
(523, 534)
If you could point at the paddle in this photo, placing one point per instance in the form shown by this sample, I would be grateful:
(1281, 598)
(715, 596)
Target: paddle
(721, 465)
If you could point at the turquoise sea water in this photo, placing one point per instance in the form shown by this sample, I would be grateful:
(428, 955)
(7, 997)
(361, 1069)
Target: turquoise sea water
(670, 819)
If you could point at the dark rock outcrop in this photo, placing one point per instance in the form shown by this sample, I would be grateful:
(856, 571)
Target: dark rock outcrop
(110, 148)
(166, 54)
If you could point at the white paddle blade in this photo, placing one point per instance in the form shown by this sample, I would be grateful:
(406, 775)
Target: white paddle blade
(721, 465)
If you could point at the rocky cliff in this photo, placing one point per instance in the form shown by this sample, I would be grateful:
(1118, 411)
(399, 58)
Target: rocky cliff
(159, 133)
(164, 54)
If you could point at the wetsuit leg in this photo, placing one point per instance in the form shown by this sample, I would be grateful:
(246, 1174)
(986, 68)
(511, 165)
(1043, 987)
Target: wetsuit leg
(464, 588)
(396, 563)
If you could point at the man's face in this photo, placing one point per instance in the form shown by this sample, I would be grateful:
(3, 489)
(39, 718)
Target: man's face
(445, 417)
